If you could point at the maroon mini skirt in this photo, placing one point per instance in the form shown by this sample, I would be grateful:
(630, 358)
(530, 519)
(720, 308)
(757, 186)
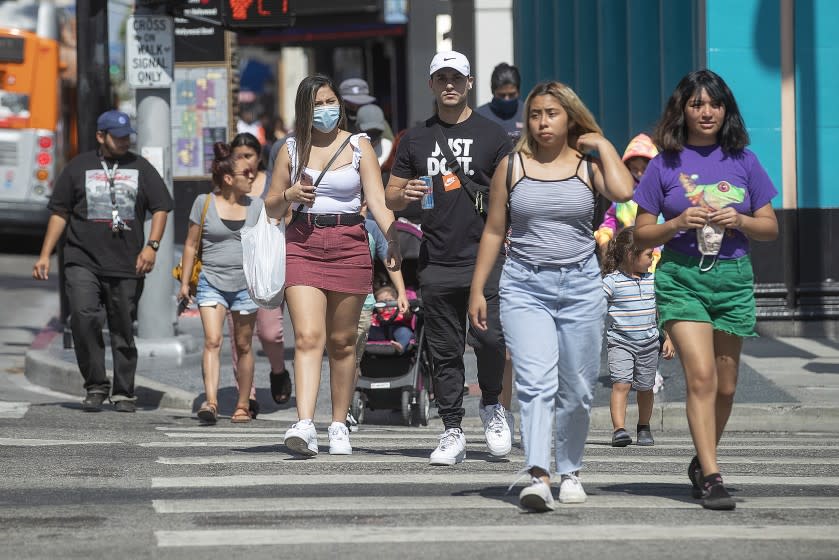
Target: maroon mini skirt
(334, 258)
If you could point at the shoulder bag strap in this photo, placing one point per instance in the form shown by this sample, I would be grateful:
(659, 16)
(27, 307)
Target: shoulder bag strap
(201, 225)
(451, 162)
(322, 173)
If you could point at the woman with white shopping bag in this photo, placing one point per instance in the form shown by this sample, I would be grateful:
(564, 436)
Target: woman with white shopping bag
(221, 285)
(322, 174)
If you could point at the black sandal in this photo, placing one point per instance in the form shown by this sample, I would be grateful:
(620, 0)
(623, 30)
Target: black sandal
(280, 386)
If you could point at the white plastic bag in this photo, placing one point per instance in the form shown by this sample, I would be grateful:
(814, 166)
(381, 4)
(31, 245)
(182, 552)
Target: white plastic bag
(263, 252)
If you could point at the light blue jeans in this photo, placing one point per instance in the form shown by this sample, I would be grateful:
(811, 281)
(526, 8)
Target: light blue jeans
(553, 319)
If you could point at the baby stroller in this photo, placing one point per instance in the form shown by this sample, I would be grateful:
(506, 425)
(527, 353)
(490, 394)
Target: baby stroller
(390, 380)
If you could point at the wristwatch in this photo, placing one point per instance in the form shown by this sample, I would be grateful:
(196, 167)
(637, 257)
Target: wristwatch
(155, 245)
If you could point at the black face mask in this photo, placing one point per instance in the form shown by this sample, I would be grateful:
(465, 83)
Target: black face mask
(504, 108)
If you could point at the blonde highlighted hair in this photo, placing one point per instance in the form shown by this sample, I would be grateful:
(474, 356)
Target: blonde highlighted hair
(580, 119)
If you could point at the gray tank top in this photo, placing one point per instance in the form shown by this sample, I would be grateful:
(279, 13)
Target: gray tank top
(551, 220)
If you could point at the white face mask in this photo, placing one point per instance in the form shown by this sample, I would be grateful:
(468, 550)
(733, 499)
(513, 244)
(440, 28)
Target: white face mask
(709, 239)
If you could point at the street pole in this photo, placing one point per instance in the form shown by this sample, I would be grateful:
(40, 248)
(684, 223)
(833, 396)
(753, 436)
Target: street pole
(156, 313)
(93, 99)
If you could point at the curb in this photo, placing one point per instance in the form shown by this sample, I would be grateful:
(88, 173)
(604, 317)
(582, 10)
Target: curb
(53, 373)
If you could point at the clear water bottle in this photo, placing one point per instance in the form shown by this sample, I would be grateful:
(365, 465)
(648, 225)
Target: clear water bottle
(428, 197)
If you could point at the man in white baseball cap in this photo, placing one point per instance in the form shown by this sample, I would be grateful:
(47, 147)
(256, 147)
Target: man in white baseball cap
(459, 149)
(450, 59)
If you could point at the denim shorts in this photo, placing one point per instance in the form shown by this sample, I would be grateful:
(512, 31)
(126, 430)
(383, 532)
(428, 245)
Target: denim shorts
(208, 295)
(722, 296)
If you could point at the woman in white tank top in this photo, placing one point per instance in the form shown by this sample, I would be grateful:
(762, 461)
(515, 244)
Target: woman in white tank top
(552, 302)
(328, 265)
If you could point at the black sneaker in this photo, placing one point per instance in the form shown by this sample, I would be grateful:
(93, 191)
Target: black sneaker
(695, 476)
(93, 402)
(715, 496)
(621, 438)
(125, 406)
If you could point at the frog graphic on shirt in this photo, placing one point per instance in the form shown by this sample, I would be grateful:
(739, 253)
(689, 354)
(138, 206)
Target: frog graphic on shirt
(714, 196)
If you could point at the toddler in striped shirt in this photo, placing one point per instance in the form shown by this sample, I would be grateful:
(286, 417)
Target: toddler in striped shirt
(632, 336)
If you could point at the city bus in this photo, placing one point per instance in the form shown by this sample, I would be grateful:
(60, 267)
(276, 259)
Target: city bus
(30, 117)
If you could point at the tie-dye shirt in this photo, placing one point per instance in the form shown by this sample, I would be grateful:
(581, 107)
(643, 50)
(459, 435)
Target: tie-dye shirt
(705, 176)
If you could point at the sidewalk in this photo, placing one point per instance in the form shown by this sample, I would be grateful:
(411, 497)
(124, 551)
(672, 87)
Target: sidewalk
(786, 384)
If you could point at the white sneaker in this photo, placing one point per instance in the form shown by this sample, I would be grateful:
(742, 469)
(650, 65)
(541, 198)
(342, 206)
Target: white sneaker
(537, 497)
(452, 448)
(496, 429)
(339, 439)
(571, 489)
(302, 438)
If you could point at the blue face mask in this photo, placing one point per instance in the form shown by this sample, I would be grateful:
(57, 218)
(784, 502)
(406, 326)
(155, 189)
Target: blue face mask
(504, 108)
(326, 117)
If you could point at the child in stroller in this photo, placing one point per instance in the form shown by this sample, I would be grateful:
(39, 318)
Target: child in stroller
(388, 323)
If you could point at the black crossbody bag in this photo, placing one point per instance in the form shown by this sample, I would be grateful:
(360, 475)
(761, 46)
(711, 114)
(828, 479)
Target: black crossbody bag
(297, 212)
(479, 194)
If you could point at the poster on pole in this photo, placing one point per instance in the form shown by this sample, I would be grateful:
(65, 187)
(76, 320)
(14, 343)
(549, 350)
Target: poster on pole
(200, 107)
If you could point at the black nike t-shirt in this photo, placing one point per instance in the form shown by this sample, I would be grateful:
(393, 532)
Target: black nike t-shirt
(82, 195)
(452, 229)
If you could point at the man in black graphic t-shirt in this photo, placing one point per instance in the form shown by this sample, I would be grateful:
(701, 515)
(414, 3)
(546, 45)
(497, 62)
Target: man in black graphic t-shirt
(101, 198)
(451, 234)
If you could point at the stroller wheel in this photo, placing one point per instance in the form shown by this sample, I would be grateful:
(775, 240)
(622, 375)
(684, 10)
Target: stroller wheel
(357, 407)
(406, 406)
(422, 409)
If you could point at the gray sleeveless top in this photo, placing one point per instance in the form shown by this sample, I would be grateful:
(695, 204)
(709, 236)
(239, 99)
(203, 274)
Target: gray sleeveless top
(551, 220)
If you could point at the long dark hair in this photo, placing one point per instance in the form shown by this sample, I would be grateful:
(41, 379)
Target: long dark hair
(304, 110)
(671, 132)
(248, 140)
(620, 250)
(222, 162)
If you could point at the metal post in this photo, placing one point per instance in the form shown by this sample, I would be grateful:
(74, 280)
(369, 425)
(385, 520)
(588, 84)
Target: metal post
(93, 99)
(156, 310)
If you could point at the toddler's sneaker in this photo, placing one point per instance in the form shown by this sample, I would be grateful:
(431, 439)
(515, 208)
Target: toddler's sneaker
(452, 448)
(537, 497)
(621, 438)
(644, 436)
(571, 489)
(339, 439)
(496, 429)
(302, 438)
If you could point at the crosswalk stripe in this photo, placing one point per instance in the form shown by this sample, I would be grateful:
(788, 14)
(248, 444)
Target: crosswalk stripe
(27, 442)
(516, 459)
(447, 503)
(429, 444)
(447, 476)
(221, 433)
(13, 409)
(494, 533)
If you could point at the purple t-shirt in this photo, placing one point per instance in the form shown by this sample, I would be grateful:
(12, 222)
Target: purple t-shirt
(705, 176)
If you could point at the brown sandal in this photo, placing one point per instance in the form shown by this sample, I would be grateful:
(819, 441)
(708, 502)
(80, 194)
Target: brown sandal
(241, 415)
(208, 413)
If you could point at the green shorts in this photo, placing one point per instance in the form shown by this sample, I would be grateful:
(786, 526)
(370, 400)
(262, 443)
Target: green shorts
(723, 296)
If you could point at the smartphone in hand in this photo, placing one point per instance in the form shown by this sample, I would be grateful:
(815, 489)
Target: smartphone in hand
(182, 305)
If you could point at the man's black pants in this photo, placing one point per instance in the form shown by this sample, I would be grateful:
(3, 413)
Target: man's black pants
(88, 293)
(445, 303)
